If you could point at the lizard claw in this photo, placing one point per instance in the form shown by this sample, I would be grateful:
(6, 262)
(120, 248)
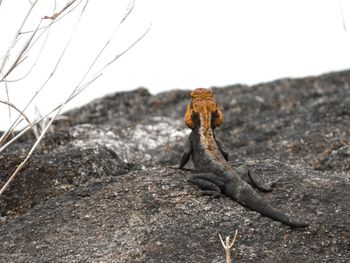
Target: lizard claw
(210, 193)
(175, 167)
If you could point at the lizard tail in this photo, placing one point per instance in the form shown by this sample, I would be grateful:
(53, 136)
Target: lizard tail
(245, 195)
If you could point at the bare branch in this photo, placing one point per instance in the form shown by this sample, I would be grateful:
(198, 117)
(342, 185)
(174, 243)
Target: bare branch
(35, 62)
(16, 36)
(19, 59)
(54, 70)
(227, 245)
(8, 99)
(47, 27)
(13, 175)
(40, 89)
(48, 125)
(6, 134)
(43, 29)
(128, 10)
(127, 49)
(222, 241)
(54, 21)
(78, 89)
(127, 13)
(25, 129)
(55, 15)
(14, 107)
(234, 238)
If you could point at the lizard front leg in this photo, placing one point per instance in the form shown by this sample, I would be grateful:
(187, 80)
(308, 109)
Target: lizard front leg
(222, 149)
(253, 179)
(186, 154)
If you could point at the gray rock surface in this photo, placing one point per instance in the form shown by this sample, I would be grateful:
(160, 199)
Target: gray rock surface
(100, 187)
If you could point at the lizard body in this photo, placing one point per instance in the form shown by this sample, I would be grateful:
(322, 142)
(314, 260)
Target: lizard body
(215, 175)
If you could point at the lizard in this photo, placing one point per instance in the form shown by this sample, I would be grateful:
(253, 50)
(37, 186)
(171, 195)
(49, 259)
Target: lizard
(215, 175)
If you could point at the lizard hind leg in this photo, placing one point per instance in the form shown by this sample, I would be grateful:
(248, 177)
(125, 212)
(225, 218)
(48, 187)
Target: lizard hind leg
(207, 182)
(253, 179)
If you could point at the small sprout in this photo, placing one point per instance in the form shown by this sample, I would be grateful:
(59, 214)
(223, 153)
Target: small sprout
(227, 246)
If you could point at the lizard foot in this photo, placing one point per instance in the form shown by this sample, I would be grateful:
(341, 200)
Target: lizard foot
(205, 182)
(255, 180)
(175, 167)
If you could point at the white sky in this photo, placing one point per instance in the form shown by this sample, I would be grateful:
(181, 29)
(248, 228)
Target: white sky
(192, 43)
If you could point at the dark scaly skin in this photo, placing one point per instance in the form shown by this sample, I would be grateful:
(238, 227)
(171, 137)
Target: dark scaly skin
(215, 175)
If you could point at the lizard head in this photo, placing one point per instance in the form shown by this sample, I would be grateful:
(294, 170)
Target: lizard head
(203, 110)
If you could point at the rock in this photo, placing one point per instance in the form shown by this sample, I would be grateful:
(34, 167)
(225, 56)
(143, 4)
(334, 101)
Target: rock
(100, 187)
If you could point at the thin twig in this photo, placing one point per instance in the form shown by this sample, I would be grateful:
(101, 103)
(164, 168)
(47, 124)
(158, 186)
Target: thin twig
(55, 15)
(33, 43)
(19, 59)
(44, 28)
(6, 134)
(54, 21)
(25, 129)
(127, 49)
(4, 137)
(44, 130)
(7, 55)
(17, 121)
(227, 245)
(35, 62)
(79, 90)
(13, 175)
(127, 13)
(14, 107)
(342, 15)
(51, 74)
(128, 10)
(8, 99)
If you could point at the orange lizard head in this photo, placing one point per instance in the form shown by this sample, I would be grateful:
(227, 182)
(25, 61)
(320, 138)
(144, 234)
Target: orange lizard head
(203, 110)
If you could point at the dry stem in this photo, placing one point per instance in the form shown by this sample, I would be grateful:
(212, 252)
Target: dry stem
(78, 89)
(13, 106)
(55, 15)
(227, 246)
(16, 36)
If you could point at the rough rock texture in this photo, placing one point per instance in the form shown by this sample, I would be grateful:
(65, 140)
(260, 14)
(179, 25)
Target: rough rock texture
(100, 187)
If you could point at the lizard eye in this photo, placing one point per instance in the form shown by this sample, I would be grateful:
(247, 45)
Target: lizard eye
(213, 106)
(196, 107)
